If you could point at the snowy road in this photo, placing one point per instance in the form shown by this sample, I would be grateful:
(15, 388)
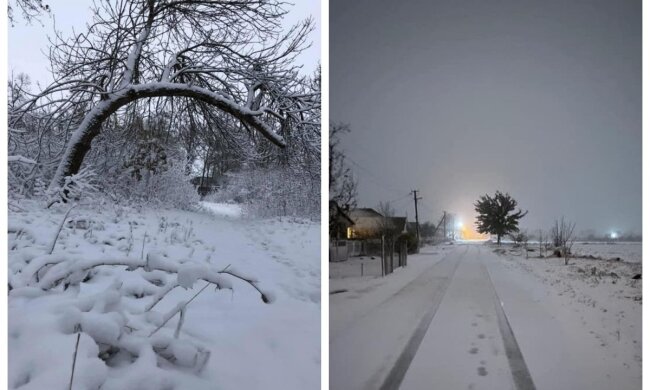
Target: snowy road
(469, 344)
(469, 322)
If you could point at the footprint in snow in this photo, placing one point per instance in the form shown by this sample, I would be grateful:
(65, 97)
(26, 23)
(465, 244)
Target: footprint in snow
(482, 371)
(473, 351)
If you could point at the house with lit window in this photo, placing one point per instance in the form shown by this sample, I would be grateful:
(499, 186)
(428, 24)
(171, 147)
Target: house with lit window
(367, 224)
(339, 228)
(340, 222)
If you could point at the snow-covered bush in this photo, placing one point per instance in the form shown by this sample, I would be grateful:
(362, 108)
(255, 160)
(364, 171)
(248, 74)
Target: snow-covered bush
(170, 188)
(272, 192)
(81, 184)
(149, 158)
(167, 185)
(120, 325)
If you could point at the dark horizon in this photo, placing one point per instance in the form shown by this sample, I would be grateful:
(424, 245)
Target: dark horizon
(457, 99)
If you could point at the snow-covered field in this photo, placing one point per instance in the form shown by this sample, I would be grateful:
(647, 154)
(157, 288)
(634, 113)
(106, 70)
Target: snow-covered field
(626, 251)
(227, 339)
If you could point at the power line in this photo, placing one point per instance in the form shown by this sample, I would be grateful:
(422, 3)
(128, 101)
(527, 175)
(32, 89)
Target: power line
(376, 179)
(401, 198)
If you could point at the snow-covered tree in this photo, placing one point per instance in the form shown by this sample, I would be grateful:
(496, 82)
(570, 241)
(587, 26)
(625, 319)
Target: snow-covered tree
(232, 56)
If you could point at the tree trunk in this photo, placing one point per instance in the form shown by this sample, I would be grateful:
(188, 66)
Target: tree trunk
(80, 141)
(499, 239)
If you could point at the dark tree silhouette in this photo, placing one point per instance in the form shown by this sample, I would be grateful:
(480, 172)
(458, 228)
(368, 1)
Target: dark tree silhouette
(30, 9)
(343, 187)
(496, 215)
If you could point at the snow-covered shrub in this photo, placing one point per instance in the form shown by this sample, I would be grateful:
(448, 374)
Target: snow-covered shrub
(81, 184)
(168, 187)
(120, 323)
(149, 158)
(272, 192)
(173, 188)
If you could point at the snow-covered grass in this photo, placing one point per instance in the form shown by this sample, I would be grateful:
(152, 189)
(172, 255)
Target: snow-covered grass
(129, 314)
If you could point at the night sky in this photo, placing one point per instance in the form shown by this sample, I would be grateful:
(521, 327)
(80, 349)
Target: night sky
(541, 99)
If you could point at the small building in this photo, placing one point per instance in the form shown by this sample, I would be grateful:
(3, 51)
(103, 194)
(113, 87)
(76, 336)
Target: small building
(368, 224)
(374, 234)
(340, 224)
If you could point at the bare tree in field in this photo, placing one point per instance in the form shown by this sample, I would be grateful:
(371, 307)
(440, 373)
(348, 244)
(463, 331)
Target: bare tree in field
(562, 234)
(229, 55)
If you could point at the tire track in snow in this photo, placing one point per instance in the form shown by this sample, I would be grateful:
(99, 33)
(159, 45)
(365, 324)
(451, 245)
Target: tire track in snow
(520, 374)
(397, 373)
(368, 310)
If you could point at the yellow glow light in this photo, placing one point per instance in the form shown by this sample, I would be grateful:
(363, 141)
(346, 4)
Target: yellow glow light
(467, 233)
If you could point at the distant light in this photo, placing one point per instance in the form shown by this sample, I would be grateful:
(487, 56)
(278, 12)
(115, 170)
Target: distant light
(613, 235)
(459, 225)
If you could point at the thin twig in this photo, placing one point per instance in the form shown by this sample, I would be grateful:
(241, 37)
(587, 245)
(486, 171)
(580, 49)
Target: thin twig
(59, 231)
(74, 360)
(161, 295)
(144, 240)
(180, 322)
(179, 308)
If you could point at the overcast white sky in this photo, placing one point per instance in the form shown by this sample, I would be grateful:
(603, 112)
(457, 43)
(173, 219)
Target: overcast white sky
(28, 43)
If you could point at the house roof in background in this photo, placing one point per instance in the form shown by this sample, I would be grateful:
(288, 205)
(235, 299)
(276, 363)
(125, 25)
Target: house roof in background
(364, 212)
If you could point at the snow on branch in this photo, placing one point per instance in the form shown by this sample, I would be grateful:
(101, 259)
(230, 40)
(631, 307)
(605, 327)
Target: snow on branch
(237, 56)
(47, 272)
(74, 187)
(21, 159)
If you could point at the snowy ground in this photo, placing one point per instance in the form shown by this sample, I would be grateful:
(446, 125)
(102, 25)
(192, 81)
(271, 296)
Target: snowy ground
(372, 317)
(229, 339)
(476, 318)
(629, 252)
(352, 295)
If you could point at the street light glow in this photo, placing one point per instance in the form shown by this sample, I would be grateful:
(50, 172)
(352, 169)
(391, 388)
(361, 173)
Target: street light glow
(613, 235)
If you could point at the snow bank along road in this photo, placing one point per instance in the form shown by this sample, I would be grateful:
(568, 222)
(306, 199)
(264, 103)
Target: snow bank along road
(470, 322)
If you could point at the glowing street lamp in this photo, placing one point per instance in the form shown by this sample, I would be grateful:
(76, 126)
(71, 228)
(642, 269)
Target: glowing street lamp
(613, 235)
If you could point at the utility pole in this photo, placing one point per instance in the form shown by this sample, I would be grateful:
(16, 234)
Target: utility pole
(444, 224)
(417, 221)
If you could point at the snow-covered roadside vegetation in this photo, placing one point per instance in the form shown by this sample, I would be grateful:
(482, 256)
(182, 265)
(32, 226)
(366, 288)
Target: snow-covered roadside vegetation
(120, 278)
(601, 284)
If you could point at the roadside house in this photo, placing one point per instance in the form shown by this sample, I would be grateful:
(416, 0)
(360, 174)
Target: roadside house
(376, 235)
(339, 225)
